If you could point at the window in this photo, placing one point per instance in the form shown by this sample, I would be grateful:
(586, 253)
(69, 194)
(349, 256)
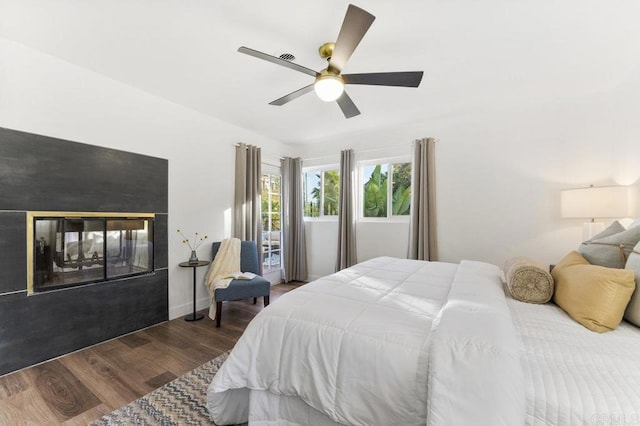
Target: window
(271, 230)
(381, 199)
(321, 192)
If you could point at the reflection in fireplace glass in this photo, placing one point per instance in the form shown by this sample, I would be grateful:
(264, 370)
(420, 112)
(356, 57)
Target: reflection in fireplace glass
(72, 251)
(128, 248)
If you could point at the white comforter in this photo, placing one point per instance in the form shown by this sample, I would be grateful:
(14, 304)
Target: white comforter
(575, 376)
(388, 341)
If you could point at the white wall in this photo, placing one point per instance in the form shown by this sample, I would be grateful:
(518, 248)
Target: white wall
(322, 243)
(44, 95)
(500, 169)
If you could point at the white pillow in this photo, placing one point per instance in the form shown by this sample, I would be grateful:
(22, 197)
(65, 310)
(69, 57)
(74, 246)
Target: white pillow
(634, 223)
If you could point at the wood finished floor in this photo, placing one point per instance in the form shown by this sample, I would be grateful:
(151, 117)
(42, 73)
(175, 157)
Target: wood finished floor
(78, 388)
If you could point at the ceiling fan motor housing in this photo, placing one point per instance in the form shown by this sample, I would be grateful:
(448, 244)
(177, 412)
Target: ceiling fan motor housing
(326, 50)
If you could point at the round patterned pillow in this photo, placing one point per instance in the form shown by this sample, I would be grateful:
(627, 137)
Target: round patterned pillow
(528, 281)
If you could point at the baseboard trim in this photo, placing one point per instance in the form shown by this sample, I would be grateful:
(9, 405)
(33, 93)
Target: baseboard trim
(187, 308)
(203, 303)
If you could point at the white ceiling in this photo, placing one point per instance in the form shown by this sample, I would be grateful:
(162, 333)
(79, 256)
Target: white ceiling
(475, 55)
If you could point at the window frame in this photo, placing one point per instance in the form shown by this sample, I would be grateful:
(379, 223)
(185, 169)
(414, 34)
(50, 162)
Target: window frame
(269, 268)
(389, 161)
(320, 169)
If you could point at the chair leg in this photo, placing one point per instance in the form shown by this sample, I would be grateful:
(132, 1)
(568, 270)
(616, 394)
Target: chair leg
(218, 313)
(255, 300)
(266, 300)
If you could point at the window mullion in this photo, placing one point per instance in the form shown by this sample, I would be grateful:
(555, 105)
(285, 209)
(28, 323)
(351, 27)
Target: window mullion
(360, 192)
(390, 191)
(321, 208)
(269, 212)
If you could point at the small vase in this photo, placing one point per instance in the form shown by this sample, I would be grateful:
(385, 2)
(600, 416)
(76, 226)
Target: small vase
(194, 257)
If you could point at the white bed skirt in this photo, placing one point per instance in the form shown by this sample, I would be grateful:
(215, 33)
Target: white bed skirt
(268, 409)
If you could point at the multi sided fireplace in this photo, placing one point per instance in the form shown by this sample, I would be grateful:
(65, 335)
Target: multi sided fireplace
(81, 248)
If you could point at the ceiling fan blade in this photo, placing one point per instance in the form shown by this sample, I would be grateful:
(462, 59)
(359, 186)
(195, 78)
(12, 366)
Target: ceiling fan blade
(403, 79)
(355, 25)
(349, 109)
(276, 60)
(293, 95)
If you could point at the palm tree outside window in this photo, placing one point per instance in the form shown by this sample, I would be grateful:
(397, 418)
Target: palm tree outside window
(321, 193)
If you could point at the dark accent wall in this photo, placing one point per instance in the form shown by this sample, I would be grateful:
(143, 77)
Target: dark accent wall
(42, 173)
(39, 173)
(13, 251)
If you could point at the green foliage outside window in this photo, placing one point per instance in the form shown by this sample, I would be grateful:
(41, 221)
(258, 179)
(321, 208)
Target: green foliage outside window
(323, 186)
(381, 198)
(311, 194)
(375, 193)
(331, 192)
(376, 190)
(271, 221)
(270, 202)
(401, 201)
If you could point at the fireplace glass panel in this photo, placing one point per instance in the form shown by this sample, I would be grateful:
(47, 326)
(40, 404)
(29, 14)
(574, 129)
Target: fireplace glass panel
(71, 251)
(129, 247)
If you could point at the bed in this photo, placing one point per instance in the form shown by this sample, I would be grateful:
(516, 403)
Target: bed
(396, 341)
(574, 376)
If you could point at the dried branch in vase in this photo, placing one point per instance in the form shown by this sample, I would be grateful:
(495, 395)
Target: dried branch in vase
(193, 245)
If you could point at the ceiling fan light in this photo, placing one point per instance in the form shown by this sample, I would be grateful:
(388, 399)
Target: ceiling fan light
(329, 87)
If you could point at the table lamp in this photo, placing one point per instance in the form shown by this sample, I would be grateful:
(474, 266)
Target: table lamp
(595, 202)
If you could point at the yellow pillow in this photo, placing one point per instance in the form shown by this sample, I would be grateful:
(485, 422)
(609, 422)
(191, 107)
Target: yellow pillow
(595, 296)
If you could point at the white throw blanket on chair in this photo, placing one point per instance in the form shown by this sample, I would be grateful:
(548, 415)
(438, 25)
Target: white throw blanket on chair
(225, 265)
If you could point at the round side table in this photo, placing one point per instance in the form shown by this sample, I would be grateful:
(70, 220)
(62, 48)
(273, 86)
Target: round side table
(194, 316)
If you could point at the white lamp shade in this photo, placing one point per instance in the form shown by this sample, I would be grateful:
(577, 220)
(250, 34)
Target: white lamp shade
(596, 202)
(329, 88)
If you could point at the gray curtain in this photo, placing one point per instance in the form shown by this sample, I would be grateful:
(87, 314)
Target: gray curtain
(294, 248)
(346, 212)
(422, 237)
(247, 223)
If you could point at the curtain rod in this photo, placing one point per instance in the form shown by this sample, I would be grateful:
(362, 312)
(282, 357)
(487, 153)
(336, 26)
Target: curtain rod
(357, 152)
(338, 154)
(269, 164)
(267, 153)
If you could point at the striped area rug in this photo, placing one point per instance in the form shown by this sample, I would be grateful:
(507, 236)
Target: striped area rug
(182, 401)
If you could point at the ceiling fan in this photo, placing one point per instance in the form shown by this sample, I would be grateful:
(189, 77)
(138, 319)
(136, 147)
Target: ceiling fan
(329, 83)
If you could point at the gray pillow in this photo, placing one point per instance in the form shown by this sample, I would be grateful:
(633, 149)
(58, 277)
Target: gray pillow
(632, 314)
(611, 251)
(634, 223)
(615, 228)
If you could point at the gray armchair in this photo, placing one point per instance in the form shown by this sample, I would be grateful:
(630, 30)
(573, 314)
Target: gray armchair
(243, 289)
